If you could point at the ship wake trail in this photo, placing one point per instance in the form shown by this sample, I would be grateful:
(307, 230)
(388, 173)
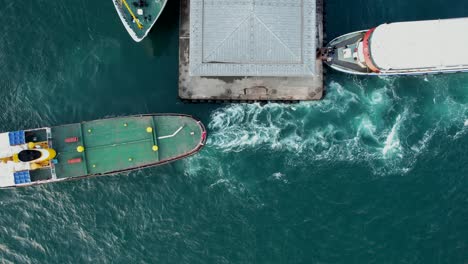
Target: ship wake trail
(374, 127)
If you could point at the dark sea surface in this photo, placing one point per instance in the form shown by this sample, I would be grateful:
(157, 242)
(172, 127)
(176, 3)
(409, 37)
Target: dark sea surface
(377, 172)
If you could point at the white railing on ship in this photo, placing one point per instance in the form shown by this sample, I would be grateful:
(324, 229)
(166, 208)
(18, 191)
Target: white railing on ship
(118, 4)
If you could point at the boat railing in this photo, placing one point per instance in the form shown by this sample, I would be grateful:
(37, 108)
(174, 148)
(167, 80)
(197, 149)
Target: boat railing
(118, 4)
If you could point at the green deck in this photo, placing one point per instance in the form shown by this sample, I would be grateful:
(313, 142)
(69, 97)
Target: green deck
(150, 14)
(118, 144)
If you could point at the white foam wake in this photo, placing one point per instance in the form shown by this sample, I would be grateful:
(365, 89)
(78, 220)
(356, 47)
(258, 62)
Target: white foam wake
(379, 127)
(392, 142)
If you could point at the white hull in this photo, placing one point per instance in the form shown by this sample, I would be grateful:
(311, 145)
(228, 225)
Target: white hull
(332, 64)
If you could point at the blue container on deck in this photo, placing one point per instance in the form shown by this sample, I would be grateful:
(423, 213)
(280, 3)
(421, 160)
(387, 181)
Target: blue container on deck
(22, 177)
(17, 138)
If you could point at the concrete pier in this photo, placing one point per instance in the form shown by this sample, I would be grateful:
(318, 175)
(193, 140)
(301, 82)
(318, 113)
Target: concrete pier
(247, 88)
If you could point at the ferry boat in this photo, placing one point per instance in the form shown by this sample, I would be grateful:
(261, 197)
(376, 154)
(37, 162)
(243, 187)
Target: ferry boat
(404, 48)
(100, 147)
(139, 16)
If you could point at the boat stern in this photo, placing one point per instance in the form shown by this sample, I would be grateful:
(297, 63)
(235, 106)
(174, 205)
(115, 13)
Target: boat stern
(26, 157)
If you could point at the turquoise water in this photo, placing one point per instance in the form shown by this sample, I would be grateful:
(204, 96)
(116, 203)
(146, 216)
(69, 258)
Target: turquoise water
(374, 173)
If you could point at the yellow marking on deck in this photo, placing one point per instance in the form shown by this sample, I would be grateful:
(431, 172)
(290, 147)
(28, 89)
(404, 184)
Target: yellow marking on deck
(140, 26)
(80, 149)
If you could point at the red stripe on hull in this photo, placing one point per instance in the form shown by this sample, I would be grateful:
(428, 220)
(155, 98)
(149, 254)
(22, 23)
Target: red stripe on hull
(367, 56)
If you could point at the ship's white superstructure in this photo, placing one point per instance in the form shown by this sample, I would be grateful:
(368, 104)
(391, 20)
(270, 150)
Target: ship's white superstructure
(403, 48)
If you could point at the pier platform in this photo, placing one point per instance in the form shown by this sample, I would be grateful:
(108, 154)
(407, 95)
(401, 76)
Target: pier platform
(250, 50)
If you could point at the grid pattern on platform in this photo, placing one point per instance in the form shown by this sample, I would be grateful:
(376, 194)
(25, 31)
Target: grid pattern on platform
(252, 37)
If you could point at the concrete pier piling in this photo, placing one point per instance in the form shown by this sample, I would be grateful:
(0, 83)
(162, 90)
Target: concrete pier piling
(254, 51)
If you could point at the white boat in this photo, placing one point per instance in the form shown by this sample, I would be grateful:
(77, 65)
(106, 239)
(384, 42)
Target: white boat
(404, 48)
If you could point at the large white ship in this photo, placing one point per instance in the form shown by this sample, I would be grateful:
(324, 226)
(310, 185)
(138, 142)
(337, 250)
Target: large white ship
(405, 48)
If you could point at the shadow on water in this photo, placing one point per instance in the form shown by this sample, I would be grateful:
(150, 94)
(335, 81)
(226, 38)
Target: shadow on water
(157, 41)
